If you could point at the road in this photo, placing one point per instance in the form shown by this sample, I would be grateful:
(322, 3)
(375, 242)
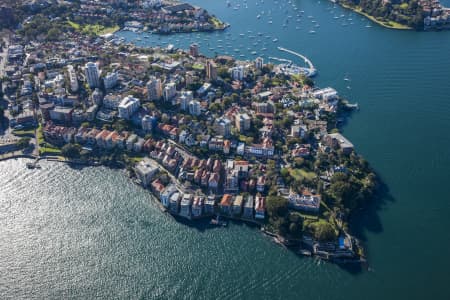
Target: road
(3, 55)
(10, 155)
(182, 150)
(35, 142)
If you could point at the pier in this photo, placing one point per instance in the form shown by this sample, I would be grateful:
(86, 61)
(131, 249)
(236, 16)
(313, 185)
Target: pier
(290, 68)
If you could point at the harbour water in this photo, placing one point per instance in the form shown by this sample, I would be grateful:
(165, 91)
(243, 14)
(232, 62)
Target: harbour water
(91, 233)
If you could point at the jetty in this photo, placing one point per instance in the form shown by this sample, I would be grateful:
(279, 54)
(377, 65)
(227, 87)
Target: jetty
(309, 71)
(34, 164)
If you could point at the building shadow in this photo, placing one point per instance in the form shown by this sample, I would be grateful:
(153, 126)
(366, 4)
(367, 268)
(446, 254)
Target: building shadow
(200, 225)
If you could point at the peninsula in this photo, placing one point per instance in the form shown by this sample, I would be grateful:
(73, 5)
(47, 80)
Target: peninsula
(409, 14)
(209, 137)
(103, 17)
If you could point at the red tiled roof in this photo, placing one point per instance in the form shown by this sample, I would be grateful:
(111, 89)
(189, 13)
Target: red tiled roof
(226, 200)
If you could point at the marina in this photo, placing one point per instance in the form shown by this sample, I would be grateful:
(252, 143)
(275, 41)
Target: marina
(288, 67)
(284, 16)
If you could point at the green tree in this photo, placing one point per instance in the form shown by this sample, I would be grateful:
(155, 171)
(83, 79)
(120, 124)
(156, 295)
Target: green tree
(284, 172)
(53, 34)
(324, 231)
(214, 107)
(71, 150)
(294, 229)
(277, 207)
(23, 143)
(226, 102)
(121, 125)
(223, 73)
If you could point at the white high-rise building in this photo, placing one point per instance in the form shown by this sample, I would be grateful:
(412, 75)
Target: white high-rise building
(97, 97)
(211, 70)
(259, 63)
(193, 50)
(242, 122)
(154, 89)
(92, 75)
(147, 123)
(110, 80)
(185, 98)
(72, 78)
(223, 126)
(128, 107)
(170, 90)
(238, 73)
(194, 107)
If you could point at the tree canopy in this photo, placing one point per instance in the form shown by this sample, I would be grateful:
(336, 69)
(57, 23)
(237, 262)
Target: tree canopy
(23, 143)
(71, 150)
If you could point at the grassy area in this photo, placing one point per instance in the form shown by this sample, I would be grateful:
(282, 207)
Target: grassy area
(99, 29)
(21, 133)
(74, 25)
(242, 138)
(217, 23)
(199, 67)
(49, 150)
(44, 147)
(320, 223)
(395, 25)
(136, 157)
(94, 29)
(297, 78)
(40, 135)
(387, 24)
(299, 174)
(305, 215)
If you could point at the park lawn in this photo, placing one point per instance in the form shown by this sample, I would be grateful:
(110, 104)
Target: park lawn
(74, 25)
(242, 138)
(299, 174)
(304, 215)
(199, 67)
(46, 148)
(217, 23)
(99, 29)
(95, 29)
(21, 133)
(40, 135)
(320, 222)
(297, 77)
(135, 158)
(49, 151)
(395, 25)
(387, 24)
